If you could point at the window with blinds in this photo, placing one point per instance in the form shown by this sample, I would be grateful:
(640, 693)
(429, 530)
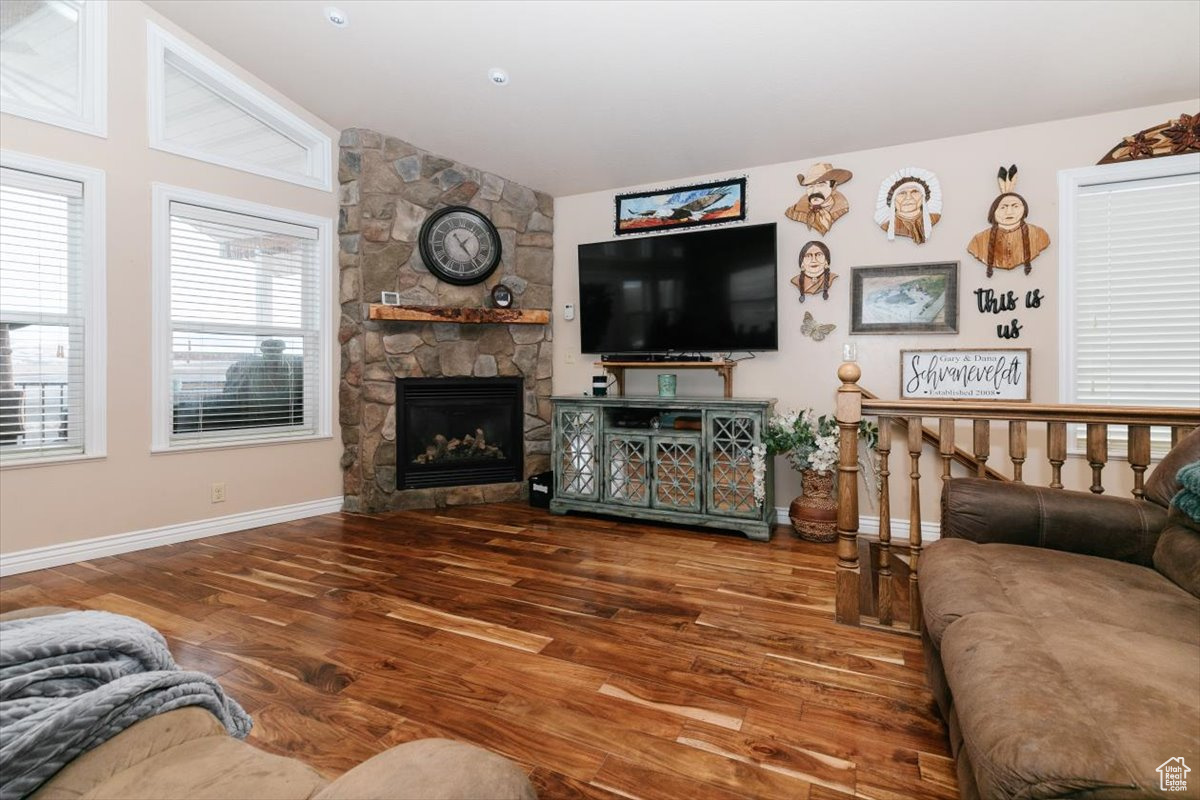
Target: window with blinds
(42, 316)
(199, 110)
(52, 62)
(244, 332)
(1132, 282)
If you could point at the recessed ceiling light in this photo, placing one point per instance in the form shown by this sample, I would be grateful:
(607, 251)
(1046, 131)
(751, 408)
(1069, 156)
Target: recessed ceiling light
(497, 76)
(336, 17)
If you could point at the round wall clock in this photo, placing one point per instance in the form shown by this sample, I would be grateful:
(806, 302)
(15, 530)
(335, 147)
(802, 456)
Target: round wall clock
(459, 245)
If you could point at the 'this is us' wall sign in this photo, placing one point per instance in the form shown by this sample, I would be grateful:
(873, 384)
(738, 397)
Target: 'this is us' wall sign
(985, 374)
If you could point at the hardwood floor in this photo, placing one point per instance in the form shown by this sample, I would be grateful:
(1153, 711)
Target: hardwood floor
(611, 659)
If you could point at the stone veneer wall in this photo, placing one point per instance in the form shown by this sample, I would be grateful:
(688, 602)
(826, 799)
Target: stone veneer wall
(388, 187)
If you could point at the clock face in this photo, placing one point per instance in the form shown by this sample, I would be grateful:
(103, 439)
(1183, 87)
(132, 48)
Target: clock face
(459, 245)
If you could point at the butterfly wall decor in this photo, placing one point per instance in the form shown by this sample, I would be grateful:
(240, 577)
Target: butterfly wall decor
(815, 330)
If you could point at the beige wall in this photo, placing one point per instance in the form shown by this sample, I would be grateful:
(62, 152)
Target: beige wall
(803, 372)
(131, 489)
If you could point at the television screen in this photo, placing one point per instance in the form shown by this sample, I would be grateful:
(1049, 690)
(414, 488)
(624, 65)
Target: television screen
(707, 291)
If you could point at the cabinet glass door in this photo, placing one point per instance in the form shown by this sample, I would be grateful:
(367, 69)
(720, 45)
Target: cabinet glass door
(627, 469)
(730, 470)
(676, 474)
(576, 446)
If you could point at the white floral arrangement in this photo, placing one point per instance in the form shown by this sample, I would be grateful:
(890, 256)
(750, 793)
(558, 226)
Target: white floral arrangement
(809, 441)
(758, 463)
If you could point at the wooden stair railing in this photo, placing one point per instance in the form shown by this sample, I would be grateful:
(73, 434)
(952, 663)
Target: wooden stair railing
(976, 462)
(872, 596)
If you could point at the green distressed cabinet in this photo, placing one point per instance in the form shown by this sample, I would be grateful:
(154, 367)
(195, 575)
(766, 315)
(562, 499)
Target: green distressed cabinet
(609, 458)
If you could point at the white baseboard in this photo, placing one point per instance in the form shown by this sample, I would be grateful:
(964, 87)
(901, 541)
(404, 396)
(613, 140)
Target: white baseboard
(929, 530)
(58, 554)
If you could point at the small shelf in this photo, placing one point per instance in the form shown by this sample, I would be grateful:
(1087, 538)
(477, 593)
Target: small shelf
(723, 366)
(463, 316)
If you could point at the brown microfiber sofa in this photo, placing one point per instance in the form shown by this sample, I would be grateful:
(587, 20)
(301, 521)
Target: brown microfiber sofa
(186, 754)
(1062, 635)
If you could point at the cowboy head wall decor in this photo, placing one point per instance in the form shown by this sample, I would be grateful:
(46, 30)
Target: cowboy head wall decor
(1010, 241)
(815, 276)
(909, 204)
(822, 204)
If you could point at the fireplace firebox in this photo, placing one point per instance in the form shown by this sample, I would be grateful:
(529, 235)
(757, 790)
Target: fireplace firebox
(459, 431)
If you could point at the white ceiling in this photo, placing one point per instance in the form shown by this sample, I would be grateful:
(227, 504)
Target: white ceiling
(610, 94)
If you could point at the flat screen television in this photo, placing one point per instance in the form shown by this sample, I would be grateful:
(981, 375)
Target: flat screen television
(706, 291)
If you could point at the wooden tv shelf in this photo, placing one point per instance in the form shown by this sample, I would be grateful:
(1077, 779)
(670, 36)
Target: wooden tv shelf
(723, 366)
(466, 316)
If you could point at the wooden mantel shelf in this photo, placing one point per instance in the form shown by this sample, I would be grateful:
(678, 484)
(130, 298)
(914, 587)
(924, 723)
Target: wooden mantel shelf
(464, 316)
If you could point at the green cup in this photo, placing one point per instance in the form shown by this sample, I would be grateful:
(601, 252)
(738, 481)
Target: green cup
(666, 384)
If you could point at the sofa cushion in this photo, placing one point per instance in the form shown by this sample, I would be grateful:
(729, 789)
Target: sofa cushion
(181, 754)
(1178, 552)
(1054, 706)
(1162, 484)
(995, 512)
(959, 577)
(433, 769)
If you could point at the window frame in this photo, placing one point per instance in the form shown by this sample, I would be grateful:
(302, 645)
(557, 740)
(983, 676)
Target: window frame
(161, 407)
(93, 307)
(239, 93)
(93, 85)
(1070, 181)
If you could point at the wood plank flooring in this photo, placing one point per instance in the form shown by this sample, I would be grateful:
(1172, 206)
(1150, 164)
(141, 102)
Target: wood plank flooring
(611, 659)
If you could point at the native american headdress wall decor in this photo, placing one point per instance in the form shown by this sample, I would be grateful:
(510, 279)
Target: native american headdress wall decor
(1010, 241)
(909, 204)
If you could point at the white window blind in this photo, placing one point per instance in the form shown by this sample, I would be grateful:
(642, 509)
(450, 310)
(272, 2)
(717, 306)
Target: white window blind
(42, 316)
(244, 329)
(52, 62)
(1135, 293)
(202, 111)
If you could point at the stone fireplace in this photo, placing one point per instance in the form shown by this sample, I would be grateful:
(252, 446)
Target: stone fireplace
(388, 187)
(458, 431)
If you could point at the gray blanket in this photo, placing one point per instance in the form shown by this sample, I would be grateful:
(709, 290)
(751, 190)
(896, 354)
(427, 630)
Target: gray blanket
(69, 682)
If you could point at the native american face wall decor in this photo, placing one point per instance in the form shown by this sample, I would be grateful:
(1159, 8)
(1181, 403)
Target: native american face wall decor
(1010, 241)
(909, 204)
(815, 276)
(822, 204)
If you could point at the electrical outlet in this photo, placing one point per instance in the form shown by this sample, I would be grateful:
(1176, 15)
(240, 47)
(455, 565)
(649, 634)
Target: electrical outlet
(218, 492)
(569, 357)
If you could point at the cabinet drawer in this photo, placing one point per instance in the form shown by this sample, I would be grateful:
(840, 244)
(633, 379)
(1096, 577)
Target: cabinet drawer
(627, 468)
(676, 483)
(730, 439)
(576, 452)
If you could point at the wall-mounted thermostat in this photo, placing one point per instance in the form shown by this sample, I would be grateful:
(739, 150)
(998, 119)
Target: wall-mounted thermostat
(569, 312)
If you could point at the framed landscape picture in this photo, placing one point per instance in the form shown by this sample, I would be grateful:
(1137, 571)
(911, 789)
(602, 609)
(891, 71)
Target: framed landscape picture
(713, 203)
(983, 373)
(906, 298)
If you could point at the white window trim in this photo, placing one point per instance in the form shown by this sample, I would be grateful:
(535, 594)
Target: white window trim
(239, 93)
(162, 197)
(95, 304)
(94, 86)
(1069, 183)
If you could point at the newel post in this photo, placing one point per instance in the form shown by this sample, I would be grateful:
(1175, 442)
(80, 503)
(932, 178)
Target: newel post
(848, 414)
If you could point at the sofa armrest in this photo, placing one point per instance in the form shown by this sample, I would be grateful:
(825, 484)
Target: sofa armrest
(432, 769)
(988, 511)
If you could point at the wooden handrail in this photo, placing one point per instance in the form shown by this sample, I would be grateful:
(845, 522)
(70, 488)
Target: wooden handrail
(959, 456)
(1037, 412)
(857, 575)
